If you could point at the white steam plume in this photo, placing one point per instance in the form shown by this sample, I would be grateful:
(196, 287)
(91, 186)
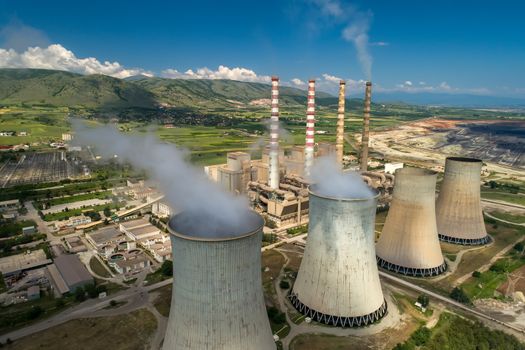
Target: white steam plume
(357, 33)
(329, 180)
(216, 213)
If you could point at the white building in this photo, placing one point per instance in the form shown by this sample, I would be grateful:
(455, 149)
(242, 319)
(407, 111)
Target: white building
(390, 168)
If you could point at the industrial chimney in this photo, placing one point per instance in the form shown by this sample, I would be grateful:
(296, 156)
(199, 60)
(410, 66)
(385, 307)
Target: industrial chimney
(273, 167)
(409, 243)
(338, 282)
(340, 132)
(458, 208)
(310, 125)
(366, 127)
(217, 300)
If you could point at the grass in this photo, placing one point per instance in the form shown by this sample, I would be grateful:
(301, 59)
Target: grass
(97, 267)
(163, 301)
(80, 197)
(518, 219)
(274, 261)
(130, 331)
(64, 215)
(504, 197)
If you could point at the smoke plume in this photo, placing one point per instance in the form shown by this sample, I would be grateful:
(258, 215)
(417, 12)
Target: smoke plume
(214, 212)
(329, 180)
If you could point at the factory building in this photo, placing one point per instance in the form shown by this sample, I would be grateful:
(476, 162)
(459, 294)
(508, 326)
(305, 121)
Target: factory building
(338, 281)
(458, 208)
(217, 300)
(68, 273)
(14, 265)
(409, 243)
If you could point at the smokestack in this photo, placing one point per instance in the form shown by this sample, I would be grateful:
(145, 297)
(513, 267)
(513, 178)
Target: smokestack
(458, 208)
(366, 127)
(310, 125)
(338, 282)
(339, 143)
(217, 299)
(273, 167)
(409, 243)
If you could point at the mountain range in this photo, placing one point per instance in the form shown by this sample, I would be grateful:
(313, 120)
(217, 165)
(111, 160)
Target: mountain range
(101, 92)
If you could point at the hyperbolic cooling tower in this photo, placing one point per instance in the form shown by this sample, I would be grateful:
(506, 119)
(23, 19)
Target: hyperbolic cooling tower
(409, 243)
(458, 208)
(310, 125)
(340, 132)
(338, 282)
(273, 167)
(366, 127)
(217, 301)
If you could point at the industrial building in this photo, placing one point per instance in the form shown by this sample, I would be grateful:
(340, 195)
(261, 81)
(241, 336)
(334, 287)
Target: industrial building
(217, 300)
(338, 281)
(458, 207)
(409, 243)
(67, 273)
(14, 265)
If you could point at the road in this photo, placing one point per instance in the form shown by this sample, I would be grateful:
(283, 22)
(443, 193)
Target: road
(406, 284)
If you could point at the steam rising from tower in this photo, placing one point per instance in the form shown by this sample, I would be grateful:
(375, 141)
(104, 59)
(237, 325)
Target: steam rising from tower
(366, 127)
(339, 143)
(310, 125)
(273, 168)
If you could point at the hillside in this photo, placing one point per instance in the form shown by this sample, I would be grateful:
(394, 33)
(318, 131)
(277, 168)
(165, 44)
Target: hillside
(58, 88)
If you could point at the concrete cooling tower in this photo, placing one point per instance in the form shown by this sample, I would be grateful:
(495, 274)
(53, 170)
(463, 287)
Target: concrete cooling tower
(409, 243)
(458, 208)
(338, 282)
(217, 301)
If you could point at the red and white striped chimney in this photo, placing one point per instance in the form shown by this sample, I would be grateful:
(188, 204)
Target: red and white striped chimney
(310, 126)
(273, 167)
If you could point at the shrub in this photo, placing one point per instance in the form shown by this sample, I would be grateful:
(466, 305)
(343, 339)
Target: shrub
(167, 268)
(284, 284)
(423, 300)
(459, 295)
(476, 274)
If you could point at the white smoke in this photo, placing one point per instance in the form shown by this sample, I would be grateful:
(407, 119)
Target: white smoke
(329, 180)
(357, 25)
(219, 213)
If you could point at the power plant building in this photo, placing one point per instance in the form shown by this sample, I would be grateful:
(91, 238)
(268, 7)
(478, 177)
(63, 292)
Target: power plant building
(338, 281)
(217, 298)
(409, 243)
(458, 207)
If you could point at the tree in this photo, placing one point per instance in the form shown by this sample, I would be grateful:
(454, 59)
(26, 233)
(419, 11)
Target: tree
(91, 290)
(113, 303)
(107, 211)
(284, 284)
(167, 268)
(476, 274)
(59, 303)
(423, 300)
(34, 312)
(80, 294)
(459, 295)
(421, 336)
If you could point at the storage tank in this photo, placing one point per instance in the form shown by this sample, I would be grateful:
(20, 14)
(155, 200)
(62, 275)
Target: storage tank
(409, 243)
(338, 281)
(458, 207)
(217, 300)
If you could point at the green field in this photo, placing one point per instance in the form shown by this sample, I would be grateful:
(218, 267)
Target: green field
(505, 197)
(518, 219)
(78, 198)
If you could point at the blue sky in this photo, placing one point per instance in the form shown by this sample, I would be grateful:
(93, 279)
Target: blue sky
(432, 46)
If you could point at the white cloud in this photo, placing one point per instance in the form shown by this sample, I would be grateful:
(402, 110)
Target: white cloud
(331, 78)
(380, 43)
(223, 72)
(58, 57)
(408, 83)
(298, 82)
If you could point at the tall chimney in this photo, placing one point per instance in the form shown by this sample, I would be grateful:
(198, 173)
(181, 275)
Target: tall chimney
(273, 167)
(366, 127)
(310, 124)
(339, 144)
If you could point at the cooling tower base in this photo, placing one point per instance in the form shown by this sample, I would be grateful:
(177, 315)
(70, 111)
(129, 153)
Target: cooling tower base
(338, 321)
(465, 241)
(411, 271)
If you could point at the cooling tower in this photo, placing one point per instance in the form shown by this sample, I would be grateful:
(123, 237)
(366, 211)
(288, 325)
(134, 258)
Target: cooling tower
(366, 127)
(409, 243)
(217, 301)
(458, 208)
(340, 132)
(310, 125)
(338, 282)
(273, 167)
